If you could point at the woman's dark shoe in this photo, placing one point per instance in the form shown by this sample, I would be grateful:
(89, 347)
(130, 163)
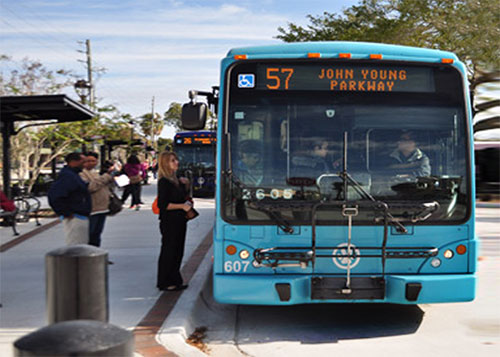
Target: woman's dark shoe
(175, 287)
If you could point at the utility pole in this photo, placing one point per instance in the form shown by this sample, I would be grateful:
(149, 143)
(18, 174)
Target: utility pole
(153, 123)
(89, 74)
(85, 88)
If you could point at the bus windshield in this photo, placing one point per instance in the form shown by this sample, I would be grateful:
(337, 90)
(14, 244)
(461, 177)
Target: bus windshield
(406, 141)
(195, 157)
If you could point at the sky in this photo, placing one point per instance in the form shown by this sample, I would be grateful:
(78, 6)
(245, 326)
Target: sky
(160, 48)
(149, 48)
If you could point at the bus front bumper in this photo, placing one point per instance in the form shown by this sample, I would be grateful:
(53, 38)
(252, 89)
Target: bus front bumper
(299, 289)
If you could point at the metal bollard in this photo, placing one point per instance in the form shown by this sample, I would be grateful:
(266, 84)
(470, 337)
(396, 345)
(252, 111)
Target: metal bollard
(77, 283)
(76, 338)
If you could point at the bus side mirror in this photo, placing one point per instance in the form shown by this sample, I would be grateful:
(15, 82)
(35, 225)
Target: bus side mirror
(194, 116)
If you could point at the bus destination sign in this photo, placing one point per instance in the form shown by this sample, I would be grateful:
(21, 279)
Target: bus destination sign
(344, 78)
(195, 140)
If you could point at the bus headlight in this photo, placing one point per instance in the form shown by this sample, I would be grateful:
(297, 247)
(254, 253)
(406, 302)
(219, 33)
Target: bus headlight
(244, 254)
(448, 254)
(436, 262)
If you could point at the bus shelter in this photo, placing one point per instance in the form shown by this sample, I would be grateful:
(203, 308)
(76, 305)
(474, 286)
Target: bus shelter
(34, 110)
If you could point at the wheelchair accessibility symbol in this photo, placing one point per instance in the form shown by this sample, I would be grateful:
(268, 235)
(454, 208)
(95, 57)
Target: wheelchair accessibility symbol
(246, 80)
(342, 262)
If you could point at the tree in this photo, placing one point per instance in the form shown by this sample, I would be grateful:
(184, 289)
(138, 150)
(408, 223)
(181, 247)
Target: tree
(469, 28)
(165, 144)
(172, 116)
(152, 127)
(29, 78)
(32, 77)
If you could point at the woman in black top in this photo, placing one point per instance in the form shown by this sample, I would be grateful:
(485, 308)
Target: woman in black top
(172, 203)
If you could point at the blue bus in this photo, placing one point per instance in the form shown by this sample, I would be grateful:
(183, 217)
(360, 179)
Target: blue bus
(196, 151)
(345, 175)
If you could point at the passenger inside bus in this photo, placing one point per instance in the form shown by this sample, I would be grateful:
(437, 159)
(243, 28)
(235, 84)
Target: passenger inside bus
(315, 160)
(407, 160)
(249, 168)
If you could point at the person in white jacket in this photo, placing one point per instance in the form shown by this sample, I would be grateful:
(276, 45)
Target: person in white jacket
(99, 188)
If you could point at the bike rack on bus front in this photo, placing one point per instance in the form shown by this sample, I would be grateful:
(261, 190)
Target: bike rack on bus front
(335, 287)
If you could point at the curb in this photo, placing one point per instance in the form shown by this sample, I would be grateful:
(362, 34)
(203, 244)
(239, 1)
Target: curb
(179, 324)
(146, 331)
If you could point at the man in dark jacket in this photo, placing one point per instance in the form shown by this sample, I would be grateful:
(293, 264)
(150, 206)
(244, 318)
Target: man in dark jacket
(70, 199)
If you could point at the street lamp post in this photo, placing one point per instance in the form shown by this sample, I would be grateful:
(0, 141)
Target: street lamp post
(83, 89)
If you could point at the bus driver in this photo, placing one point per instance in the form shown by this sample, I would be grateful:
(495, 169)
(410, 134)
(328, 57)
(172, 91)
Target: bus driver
(408, 160)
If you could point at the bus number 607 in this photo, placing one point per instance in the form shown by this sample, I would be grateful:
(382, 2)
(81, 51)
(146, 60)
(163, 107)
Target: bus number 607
(236, 266)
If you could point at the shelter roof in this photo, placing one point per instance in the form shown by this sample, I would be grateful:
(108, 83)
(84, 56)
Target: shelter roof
(43, 107)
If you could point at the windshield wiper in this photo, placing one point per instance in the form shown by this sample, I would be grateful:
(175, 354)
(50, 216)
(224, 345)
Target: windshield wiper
(423, 211)
(282, 223)
(347, 178)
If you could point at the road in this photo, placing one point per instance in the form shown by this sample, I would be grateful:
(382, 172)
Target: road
(459, 329)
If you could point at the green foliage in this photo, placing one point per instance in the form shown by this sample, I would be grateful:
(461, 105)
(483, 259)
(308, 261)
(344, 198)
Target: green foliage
(469, 28)
(32, 77)
(172, 116)
(151, 127)
(164, 144)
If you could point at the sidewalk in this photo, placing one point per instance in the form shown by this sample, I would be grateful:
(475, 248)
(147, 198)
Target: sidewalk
(132, 240)
(7, 234)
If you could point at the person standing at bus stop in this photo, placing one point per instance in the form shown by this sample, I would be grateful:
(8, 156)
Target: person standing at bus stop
(133, 169)
(70, 199)
(99, 188)
(173, 205)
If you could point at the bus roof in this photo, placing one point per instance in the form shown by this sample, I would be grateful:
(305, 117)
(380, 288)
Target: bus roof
(358, 50)
(196, 132)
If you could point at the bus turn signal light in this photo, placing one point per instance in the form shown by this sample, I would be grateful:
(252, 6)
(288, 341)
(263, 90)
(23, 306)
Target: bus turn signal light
(375, 56)
(461, 249)
(231, 249)
(447, 60)
(240, 57)
(344, 55)
(314, 55)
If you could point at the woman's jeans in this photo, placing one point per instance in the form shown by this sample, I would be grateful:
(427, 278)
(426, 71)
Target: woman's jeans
(96, 227)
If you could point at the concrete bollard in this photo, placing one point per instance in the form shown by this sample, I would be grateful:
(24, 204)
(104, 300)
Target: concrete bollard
(77, 283)
(76, 338)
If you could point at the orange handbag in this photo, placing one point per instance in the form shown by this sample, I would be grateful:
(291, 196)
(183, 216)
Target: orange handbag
(154, 206)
